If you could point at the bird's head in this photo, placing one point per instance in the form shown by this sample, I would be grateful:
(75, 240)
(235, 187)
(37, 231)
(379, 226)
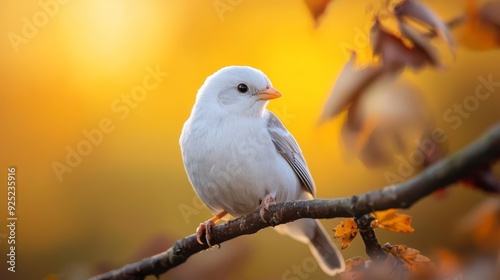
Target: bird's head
(240, 90)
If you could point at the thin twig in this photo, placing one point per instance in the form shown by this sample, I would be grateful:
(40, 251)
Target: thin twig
(437, 176)
(372, 247)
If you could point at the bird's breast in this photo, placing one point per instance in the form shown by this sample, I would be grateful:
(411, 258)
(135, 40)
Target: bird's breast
(235, 164)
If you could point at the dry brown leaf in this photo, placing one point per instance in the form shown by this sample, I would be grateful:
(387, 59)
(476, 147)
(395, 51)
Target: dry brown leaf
(345, 232)
(317, 8)
(391, 220)
(355, 263)
(411, 258)
(421, 44)
(395, 53)
(490, 13)
(402, 263)
(354, 269)
(416, 10)
(350, 83)
(384, 121)
(389, 269)
(393, 268)
(481, 31)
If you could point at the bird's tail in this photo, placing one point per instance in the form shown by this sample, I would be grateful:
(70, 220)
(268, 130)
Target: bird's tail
(325, 252)
(312, 233)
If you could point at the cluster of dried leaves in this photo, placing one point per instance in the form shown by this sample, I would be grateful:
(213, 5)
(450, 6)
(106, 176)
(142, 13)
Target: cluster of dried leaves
(385, 113)
(390, 219)
(401, 262)
(481, 21)
(473, 254)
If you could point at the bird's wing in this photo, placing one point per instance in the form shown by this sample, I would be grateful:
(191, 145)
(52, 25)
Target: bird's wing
(289, 149)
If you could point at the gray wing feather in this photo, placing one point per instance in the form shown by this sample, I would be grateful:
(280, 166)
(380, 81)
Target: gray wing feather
(288, 148)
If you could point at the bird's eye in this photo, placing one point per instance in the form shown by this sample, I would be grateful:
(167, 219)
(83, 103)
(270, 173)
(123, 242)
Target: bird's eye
(242, 88)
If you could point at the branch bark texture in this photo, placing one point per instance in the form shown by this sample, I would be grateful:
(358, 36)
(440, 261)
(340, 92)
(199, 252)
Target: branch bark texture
(373, 248)
(484, 150)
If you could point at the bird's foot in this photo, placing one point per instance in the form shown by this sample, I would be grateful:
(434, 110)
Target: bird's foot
(206, 228)
(264, 205)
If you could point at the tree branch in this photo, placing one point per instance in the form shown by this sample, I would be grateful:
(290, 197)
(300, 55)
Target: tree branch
(483, 151)
(372, 247)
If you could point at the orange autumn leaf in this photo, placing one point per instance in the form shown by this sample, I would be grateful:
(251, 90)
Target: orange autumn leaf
(392, 220)
(346, 231)
(411, 258)
(383, 120)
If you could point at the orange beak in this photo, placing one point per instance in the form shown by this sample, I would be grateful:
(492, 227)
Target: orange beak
(268, 94)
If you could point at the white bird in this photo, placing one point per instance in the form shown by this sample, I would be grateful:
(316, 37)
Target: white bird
(239, 157)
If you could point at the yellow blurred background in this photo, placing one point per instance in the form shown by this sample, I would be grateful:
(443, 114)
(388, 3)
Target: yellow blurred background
(65, 67)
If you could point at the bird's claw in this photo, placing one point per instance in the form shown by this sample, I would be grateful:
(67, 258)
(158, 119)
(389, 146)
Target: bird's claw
(205, 229)
(264, 205)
